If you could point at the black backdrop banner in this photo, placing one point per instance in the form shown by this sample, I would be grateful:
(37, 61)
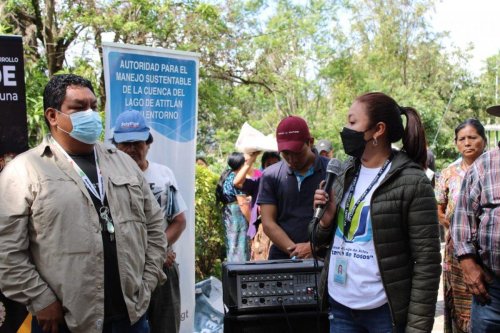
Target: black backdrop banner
(13, 123)
(13, 140)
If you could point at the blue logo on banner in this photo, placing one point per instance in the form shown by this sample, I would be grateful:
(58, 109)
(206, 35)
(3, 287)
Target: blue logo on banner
(163, 89)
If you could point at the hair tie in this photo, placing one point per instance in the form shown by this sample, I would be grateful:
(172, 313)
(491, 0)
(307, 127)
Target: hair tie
(401, 110)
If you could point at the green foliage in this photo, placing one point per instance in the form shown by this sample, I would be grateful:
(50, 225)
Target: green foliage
(35, 83)
(208, 226)
(262, 60)
(390, 47)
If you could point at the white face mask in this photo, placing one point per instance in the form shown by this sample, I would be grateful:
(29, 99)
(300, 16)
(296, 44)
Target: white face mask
(87, 126)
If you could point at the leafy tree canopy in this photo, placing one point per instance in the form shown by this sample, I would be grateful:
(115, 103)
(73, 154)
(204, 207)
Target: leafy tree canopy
(262, 60)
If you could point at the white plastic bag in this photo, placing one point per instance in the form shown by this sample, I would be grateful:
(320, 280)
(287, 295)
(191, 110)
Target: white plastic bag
(251, 140)
(209, 317)
(429, 173)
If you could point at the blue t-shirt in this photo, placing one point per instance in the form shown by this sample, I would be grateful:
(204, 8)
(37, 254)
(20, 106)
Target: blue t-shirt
(279, 187)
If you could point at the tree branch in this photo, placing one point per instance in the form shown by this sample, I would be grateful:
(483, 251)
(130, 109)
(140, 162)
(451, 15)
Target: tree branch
(238, 79)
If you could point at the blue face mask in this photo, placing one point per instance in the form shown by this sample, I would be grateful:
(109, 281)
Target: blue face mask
(87, 126)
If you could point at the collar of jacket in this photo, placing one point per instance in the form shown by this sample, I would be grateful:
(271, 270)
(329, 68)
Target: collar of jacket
(45, 148)
(399, 162)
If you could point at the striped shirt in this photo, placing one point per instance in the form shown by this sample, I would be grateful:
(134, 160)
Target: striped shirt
(476, 223)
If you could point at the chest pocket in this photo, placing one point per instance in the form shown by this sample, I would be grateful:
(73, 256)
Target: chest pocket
(60, 218)
(127, 195)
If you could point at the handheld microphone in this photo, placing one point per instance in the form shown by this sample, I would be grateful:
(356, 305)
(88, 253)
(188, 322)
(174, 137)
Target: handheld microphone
(333, 169)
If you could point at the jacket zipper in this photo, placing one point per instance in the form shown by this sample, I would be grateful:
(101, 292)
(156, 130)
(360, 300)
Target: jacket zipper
(376, 252)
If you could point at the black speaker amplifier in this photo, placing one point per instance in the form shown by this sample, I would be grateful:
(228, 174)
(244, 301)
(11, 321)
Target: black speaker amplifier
(258, 285)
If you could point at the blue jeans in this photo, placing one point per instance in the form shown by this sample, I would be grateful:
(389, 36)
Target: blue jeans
(121, 326)
(485, 318)
(35, 327)
(347, 320)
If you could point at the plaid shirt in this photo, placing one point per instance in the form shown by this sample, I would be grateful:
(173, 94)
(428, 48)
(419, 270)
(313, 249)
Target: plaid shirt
(476, 223)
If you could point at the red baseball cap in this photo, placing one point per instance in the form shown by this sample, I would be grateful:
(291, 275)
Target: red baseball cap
(292, 133)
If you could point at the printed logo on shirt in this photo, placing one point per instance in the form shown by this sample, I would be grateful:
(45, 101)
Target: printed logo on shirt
(361, 227)
(156, 192)
(166, 199)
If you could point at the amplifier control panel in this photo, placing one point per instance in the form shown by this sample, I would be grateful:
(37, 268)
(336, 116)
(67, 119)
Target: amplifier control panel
(258, 286)
(273, 290)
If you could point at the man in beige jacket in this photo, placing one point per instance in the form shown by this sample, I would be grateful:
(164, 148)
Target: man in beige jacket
(81, 239)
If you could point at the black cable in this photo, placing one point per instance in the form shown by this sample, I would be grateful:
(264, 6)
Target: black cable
(312, 236)
(316, 296)
(316, 269)
(290, 330)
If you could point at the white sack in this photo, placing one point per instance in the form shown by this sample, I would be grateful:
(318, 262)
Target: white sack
(251, 140)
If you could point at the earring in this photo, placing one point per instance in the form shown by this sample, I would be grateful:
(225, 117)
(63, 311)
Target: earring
(375, 142)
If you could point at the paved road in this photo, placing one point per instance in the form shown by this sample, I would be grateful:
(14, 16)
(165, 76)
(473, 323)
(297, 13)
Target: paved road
(439, 317)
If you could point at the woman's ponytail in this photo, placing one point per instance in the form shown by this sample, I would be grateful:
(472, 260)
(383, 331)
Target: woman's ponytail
(414, 142)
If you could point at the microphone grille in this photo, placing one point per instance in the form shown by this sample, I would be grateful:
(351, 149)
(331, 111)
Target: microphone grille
(334, 166)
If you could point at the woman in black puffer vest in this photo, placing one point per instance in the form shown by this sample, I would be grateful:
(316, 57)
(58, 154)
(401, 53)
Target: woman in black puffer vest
(382, 264)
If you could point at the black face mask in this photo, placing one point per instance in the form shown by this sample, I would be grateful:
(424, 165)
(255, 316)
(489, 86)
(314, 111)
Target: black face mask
(353, 141)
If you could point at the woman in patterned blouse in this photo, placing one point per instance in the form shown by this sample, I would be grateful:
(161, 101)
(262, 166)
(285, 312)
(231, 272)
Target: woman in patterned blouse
(470, 140)
(235, 213)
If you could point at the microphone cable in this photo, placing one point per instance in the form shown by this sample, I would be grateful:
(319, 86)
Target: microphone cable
(312, 237)
(290, 330)
(333, 170)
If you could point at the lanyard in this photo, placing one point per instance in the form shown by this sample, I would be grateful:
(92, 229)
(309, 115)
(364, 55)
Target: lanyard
(348, 216)
(86, 180)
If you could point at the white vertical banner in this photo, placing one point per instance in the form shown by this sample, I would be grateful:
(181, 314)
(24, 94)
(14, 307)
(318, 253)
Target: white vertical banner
(163, 86)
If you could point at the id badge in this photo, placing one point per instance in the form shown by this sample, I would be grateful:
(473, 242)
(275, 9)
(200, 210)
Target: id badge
(340, 275)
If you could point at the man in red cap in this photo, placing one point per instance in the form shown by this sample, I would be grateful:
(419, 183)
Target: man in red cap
(287, 189)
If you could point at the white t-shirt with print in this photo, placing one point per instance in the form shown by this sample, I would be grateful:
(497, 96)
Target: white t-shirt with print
(363, 288)
(161, 179)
